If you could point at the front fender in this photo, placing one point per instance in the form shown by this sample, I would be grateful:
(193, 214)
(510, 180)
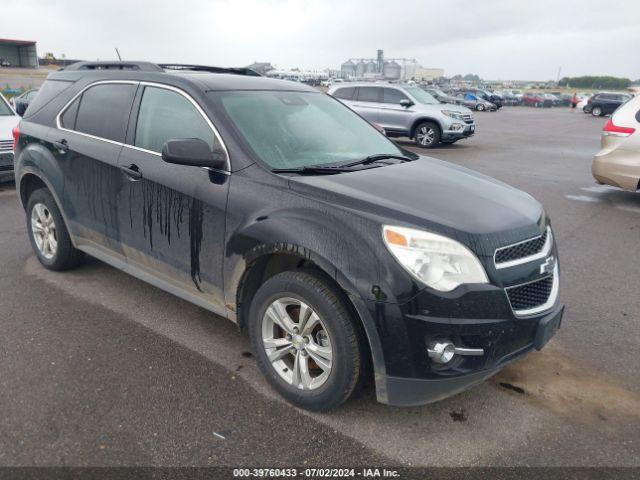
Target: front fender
(318, 239)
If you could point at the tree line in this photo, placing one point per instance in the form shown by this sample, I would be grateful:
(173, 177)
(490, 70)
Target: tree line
(588, 81)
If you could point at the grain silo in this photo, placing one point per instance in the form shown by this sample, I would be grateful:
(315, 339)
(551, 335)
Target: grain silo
(348, 69)
(392, 70)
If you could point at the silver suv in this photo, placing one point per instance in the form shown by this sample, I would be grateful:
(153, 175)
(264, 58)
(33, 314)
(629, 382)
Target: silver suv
(407, 111)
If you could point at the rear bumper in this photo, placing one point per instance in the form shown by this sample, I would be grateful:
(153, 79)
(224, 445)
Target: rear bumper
(618, 167)
(406, 392)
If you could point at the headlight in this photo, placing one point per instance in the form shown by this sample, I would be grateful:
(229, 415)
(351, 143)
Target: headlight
(452, 114)
(438, 262)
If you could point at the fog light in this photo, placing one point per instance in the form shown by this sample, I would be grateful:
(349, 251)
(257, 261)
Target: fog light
(441, 351)
(457, 126)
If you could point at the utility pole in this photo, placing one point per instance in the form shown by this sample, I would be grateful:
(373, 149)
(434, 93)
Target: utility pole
(559, 70)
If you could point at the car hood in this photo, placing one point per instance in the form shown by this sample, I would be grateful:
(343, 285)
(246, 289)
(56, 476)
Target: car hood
(431, 194)
(423, 107)
(7, 122)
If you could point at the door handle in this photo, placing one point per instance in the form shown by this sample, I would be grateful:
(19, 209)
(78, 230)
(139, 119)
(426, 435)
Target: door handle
(132, 171)
(62, 146)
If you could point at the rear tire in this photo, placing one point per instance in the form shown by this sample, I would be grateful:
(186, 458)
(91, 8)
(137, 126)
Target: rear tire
(596, 111)
(427, 135)
(305, 340)
(48, 233)
(480, 107)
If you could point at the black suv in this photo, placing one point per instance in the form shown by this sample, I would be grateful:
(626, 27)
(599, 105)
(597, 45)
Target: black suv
(274, 205)
(605, 103)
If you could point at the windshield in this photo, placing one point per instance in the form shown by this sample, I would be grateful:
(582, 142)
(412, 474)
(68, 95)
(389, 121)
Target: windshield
(421, 96)
(298, 129)
(5, 110)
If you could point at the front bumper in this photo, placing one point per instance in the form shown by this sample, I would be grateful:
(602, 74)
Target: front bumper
(6, 165)
(406, 391)
(465, 130)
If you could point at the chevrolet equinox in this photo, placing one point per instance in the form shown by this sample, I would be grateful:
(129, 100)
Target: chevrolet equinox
(274, 205)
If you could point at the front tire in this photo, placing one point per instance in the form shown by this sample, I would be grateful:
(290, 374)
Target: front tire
(427, 135)
(48, 233)
(306, 342)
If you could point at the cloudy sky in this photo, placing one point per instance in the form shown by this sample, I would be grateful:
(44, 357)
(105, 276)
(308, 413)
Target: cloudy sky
(505, 39)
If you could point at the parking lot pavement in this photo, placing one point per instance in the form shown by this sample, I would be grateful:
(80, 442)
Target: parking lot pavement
(98, 368)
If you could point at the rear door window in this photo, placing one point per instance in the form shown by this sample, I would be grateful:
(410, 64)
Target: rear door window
(165, 115)
(369, 94)
(104, 111)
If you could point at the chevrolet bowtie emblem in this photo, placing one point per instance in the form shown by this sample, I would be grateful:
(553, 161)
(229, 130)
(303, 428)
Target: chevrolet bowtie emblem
(548, 266)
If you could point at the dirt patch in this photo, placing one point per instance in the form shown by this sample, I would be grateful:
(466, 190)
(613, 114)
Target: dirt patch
(554, 380)
(458, 415)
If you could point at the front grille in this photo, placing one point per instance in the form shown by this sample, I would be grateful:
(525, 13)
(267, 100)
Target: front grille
(467, 118)
(6, 145)
(521, 250)
(530, 295)
(6, 168)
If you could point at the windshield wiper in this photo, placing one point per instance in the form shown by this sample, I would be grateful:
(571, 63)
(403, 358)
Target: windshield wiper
(311, 169)
(374, 158)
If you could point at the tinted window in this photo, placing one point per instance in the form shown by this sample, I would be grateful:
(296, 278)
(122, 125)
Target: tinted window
(68, 118)
(344, 93)
(104, 111)
(368, 94)
(49, 90)
(391, 95)
(166, 115)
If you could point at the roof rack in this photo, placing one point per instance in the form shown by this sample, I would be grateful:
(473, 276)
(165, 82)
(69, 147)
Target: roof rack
(161, 67)
(205, 68)
(141, 66)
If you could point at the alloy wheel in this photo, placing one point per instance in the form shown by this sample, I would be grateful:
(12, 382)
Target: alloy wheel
(297, 343)
(426, 135)
(44, 231)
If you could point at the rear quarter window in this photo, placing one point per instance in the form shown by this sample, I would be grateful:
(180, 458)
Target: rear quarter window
(49, 90)
(104, 111)
(369, 94)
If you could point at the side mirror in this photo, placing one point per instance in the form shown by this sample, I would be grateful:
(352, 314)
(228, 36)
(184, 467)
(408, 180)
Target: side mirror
(406, 103)
(21, 106)
(192, 152)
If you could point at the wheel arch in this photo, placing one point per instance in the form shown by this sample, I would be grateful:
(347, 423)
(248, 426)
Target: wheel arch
(262, 264)
(419, 120)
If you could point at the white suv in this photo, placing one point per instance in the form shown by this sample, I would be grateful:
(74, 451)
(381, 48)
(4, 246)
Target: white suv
(407, 111)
